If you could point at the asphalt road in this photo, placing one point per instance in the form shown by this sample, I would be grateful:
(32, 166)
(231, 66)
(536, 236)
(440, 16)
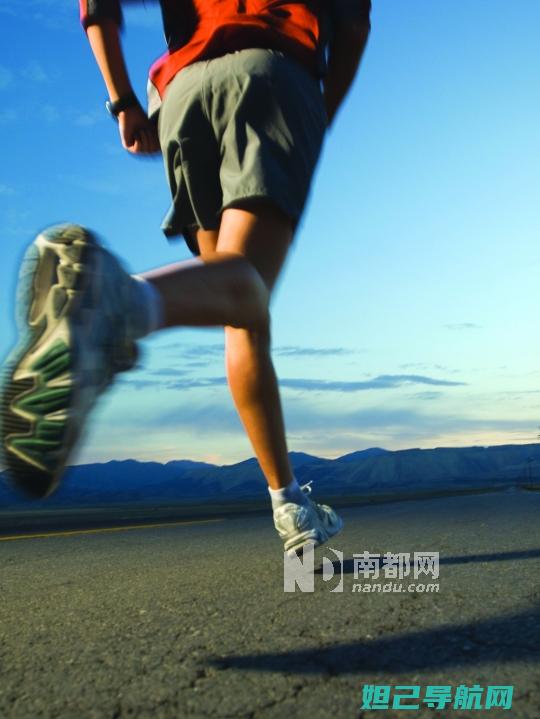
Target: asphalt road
(191, 620)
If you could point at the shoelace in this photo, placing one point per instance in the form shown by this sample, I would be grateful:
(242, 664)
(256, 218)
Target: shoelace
(320, 509)
(306, 488)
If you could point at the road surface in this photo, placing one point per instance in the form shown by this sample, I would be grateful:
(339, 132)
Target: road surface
(191, 619)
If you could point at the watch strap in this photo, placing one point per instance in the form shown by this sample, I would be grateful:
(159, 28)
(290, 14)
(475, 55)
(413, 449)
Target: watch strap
(118, 106)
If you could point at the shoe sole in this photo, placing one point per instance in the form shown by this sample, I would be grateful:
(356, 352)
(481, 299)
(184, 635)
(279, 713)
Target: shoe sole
(38, 429)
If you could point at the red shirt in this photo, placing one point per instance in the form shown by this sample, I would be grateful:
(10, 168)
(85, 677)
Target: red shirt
(228, 25)
(202, 29)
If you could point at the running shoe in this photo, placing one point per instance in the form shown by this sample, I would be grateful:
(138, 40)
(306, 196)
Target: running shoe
(73, 301)
(309, 523)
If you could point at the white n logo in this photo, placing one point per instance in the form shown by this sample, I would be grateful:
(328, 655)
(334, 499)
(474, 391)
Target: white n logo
(298, 571)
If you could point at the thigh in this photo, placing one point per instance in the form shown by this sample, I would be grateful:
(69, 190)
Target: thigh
(261, 232)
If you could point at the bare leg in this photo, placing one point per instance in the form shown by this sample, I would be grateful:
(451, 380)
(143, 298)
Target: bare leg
(220, 288)
(230, 285)
(263, 236)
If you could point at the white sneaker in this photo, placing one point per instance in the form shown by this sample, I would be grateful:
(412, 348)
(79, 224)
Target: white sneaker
(309, 523)
(74, 309)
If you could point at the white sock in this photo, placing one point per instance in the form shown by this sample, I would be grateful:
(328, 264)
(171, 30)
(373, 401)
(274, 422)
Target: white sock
(290, 493)
(148, 308)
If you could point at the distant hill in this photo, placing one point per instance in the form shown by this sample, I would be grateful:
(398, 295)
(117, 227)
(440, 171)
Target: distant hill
(366, 472)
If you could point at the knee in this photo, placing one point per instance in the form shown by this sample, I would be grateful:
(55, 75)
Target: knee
(250, 299)
(247, 351)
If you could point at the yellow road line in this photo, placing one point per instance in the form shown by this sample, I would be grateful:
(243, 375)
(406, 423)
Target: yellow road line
(107, 529)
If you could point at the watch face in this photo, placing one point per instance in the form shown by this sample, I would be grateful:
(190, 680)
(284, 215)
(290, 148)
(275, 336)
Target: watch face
(115, 108)
(110, 109)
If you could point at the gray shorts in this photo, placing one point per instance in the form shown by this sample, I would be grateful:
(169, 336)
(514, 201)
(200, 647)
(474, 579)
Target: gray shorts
(246, 125)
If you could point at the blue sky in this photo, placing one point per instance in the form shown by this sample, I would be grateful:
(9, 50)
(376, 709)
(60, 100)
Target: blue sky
(407, 312)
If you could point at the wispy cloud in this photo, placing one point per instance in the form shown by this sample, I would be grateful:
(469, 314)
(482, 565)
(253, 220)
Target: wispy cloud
(8, 115)
(168, 372)
(139, 384)
(428, 366)
(327, 422)
(331, 423)
(6, 77)
(301, 384)
(172, 384)
(101, 187)
(52, 14)
(205, 351)
(16, 222)
(6, 191)
(88, 119)
(462, 326)
(50, 113)
(386, 381)
(296, 351)
(194, 350)
(35, 72)
(426, 395)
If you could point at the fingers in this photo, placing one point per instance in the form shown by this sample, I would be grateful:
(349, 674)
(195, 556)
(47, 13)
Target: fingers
(148, 140)
(138, 135)
(143, 142)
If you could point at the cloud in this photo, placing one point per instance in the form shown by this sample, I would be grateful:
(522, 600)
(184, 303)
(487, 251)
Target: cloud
(295, 351)
(180, 384)
(195, 350)
(330, 425)
(8, 115)
(35, 73)
(52, 14)
(300, 384)
(462, 326)
(89, 119)
(426, 395)
(6, 191)
(426, 366)
(101, 187)
(168, 371)
(50, 113)
(195, 355)
(381, 382)
(139, 384)
(206, 351)
(326, 424)
(517, 392)
(206, 418)
(6, 77)
(16, 222)
(199, 355)
(196, 364)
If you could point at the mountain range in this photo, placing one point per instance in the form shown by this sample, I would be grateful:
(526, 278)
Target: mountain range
(367, 472)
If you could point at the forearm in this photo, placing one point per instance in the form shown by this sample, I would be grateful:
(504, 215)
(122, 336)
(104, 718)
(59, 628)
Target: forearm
(345, 53)
(137, 134)
(104, 40)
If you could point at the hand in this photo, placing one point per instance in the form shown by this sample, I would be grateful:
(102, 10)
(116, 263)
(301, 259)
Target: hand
(137, 134)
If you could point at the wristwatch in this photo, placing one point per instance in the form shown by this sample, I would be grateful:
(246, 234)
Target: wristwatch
(116, 107)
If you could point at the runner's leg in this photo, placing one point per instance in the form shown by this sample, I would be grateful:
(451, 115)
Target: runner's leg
(262, 235)
(221, 288)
